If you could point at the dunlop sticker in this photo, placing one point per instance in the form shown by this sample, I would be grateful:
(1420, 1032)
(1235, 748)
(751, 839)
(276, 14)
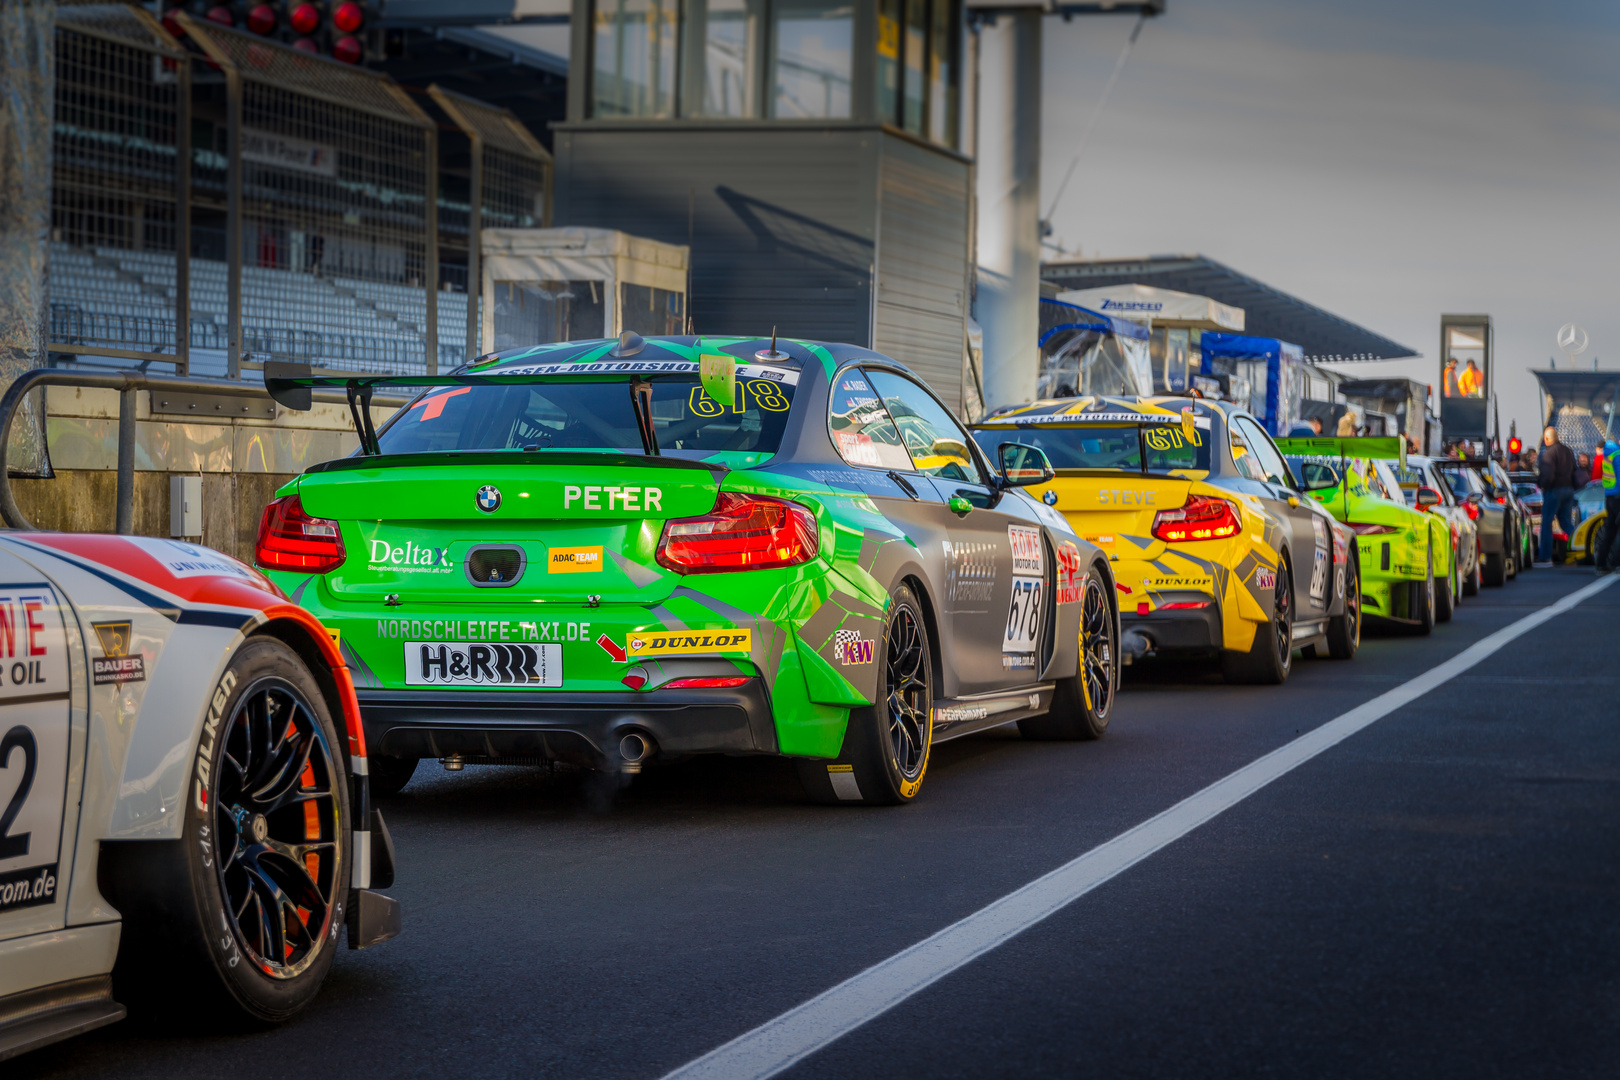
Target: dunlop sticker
(687, 642)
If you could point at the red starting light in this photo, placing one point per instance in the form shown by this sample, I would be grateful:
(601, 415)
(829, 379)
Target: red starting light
(305, 18)
(220, 14)
(348, 49)
(1203, 517)
(349, 17)
(289, 539)
(262, 19)
(1515, 446)
(742, 532)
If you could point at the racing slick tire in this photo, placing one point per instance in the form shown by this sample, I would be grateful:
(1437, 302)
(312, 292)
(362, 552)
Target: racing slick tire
(1424, 626)
(1472, 581)
(1495, 572)
(886, 745)
(1082, 703)
(1446, 591)
(1271, 657)
(389, 775)
(239, 920)
(1344, 629)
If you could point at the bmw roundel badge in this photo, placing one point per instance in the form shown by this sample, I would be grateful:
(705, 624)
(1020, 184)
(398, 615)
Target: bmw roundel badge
(489, 498)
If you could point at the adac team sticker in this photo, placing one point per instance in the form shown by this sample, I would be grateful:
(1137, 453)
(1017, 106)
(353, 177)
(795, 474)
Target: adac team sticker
(687, 642)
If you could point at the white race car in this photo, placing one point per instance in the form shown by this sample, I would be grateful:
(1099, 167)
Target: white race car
(183, 804)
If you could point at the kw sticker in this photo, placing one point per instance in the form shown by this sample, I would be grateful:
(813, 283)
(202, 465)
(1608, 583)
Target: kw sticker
(1265, 578)
(850, 648)
(117, 666)
(574, 560)
(687, 642)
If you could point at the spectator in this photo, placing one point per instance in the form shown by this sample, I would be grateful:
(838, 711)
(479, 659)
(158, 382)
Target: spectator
(1529, 460)
(1306, 429)
(1471, 383)
(1556, 475)
(1583, 468)
(1347, 425)
(1316, 425)
(1606, 549)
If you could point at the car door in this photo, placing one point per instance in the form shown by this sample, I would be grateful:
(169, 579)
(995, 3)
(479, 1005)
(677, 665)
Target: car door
(41, 735)
(1310, 540)
(996, 623)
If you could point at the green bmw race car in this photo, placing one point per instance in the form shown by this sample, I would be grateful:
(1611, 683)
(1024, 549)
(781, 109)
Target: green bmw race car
(615, 551)
(1409, 568)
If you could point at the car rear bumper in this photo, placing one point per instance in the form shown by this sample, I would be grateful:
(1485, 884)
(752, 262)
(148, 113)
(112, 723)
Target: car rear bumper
(579, 727)
(1196, 630)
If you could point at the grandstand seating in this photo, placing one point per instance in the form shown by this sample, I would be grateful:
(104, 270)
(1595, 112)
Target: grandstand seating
(125, 300)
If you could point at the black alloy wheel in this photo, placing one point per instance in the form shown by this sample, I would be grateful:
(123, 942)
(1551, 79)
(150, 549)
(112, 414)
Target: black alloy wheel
(1100, 650)
(907, 694)
(1344, 630)
(1282, 618)
(277, 829)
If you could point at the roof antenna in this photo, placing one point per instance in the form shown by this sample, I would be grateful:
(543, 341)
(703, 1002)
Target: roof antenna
(771, 354)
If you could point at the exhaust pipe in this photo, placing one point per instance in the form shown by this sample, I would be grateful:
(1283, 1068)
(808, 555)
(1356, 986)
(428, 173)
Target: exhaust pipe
(634, 749)
(1133, 645)
(453, 763)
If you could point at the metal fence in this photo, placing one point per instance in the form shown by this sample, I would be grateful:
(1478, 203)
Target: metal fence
(331, 247)
(287, 204)
(509, 188)
(119, 206)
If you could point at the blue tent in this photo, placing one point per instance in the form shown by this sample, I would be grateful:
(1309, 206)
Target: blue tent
(1271, 367)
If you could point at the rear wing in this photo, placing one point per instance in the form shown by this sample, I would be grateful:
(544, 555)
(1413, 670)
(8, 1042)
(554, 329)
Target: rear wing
(1373, 447)
(292, 385)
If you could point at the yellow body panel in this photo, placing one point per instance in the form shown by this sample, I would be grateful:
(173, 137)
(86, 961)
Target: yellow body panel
(1116, 513)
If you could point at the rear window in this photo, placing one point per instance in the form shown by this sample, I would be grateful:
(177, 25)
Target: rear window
(1463, 482)
(590, 414)
(1115, 448)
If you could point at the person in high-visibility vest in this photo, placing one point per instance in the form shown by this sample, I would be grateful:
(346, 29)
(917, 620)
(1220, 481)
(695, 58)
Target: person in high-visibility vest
(1470, 383)
(1606, 548)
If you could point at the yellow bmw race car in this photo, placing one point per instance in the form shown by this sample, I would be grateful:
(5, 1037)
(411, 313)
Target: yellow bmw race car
(1213, 546)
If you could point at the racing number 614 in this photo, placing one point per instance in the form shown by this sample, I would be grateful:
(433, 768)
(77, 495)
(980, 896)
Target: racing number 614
(21, 738)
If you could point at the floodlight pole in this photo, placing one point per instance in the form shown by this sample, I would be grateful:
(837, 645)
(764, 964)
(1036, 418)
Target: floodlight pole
(1008, 164)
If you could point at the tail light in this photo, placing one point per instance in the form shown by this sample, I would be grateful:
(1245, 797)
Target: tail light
(742, 532)
(705, 682)
(290, 539)
(1202, 517)
(1364, 529)
(1185, 605)
(1471, 509)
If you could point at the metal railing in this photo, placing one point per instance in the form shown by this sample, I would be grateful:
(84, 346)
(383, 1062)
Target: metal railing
(128, 384)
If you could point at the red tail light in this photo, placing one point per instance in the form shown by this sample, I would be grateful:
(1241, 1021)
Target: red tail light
(709, 682)
(1185, 605)
(1471, 509)
(1203, 517)
(742, 532)
(290, 539)
(1363, 529)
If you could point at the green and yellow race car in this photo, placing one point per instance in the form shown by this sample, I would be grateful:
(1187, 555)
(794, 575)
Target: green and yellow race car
(1410, 573)
(619, 551)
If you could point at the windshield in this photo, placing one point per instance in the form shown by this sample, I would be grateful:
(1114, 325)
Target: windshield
(1114, 448)
(1463, 482)
(592, 414)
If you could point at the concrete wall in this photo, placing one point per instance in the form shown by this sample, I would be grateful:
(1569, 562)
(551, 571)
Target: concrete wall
(241, 461)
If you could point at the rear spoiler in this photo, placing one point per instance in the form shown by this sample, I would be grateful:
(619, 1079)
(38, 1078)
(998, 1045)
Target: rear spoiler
(1376, 447)
(292, 386)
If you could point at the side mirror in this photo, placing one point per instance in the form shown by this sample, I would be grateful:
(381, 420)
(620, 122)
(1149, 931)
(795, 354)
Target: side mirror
(1023, 465)
(1315, 476)
(1476, 498)
(1427, 497)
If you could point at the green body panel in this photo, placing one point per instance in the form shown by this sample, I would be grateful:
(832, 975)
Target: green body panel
(1416, 534)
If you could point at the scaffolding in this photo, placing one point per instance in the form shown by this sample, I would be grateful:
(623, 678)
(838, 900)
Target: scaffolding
(509, 188)
(330, 178)
(120, 188)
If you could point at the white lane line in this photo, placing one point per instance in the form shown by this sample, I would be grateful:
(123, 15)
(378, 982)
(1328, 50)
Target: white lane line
(777, 1044)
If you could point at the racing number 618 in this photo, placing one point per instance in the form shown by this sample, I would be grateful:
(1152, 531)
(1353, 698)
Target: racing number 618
(21, 738)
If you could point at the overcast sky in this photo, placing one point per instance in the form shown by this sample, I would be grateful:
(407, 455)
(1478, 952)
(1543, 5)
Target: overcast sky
(1387, 160)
